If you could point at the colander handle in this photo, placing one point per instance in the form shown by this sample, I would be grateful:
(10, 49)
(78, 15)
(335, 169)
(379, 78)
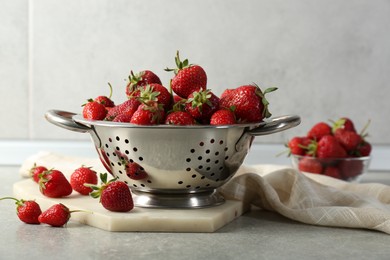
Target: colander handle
(64, 119)
(275, 125)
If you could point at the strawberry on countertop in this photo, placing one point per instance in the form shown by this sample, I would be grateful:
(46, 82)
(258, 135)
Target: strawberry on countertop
(53, 184)
(114, 195)
(56, 216)
(83, 175)
(28, 211)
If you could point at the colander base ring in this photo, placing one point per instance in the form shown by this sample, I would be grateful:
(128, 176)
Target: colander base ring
(185, 201)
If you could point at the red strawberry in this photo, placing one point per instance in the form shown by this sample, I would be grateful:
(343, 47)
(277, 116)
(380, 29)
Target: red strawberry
(332, 171)
(188, 78)
(140, 79)
(53, 184)
(94, 111)
(351, 168)
(56, 216)
(249, 102)
(223, 117)
(299, 145)
(310, 164)
(81, 176)
(319, 130)
(28, 211)
(114, 195)
(364, 149)
(179, 118)
(344, 123)
(135, 172)
(155, 92)
(329, 147)
(227, 93)
(348, 139)
(126, 109)
(124, 118)
(201, 105)
(151, 113)
(104, 100)
(35, 171)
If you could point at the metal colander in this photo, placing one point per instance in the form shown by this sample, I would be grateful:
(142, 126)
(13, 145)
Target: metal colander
(172, 166)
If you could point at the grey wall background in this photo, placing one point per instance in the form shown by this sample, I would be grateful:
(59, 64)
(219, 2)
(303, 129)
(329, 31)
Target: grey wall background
(328, 58)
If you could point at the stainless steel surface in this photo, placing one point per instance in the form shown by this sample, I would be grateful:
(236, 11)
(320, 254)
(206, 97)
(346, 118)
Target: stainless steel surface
(181, 162)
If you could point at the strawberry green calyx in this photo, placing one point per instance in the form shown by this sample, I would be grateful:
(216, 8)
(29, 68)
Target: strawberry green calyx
(147, 94)
(97, 190)
(199, 98)
(261, 94)
(179, 64)
(337, 124)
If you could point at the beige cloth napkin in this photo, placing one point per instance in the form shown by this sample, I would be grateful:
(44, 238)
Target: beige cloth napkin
(307, 198)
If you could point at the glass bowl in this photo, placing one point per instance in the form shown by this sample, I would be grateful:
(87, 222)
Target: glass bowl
(348, 169)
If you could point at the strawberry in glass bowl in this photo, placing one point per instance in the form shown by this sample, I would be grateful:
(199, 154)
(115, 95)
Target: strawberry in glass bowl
(336, 150)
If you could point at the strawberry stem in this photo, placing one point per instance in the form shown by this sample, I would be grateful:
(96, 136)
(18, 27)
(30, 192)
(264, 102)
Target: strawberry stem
(109, 84)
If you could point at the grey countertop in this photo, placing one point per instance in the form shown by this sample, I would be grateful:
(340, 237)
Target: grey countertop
(256, 235)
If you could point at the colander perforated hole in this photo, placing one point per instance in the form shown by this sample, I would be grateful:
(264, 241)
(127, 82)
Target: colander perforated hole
(180, 182)
(212, 141)
(127, 152)
(140, 158)
(117, 148)
(188, 160)
(110, 140)
(135, 149)
(201, 143)
(106, 145)
(192, 150)
(188, 169)
(120, 172)
(108, 155)
(200, 158)
(126, 141)
(221, 142)
(207, 151)
(193, 176)
(117, 138)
